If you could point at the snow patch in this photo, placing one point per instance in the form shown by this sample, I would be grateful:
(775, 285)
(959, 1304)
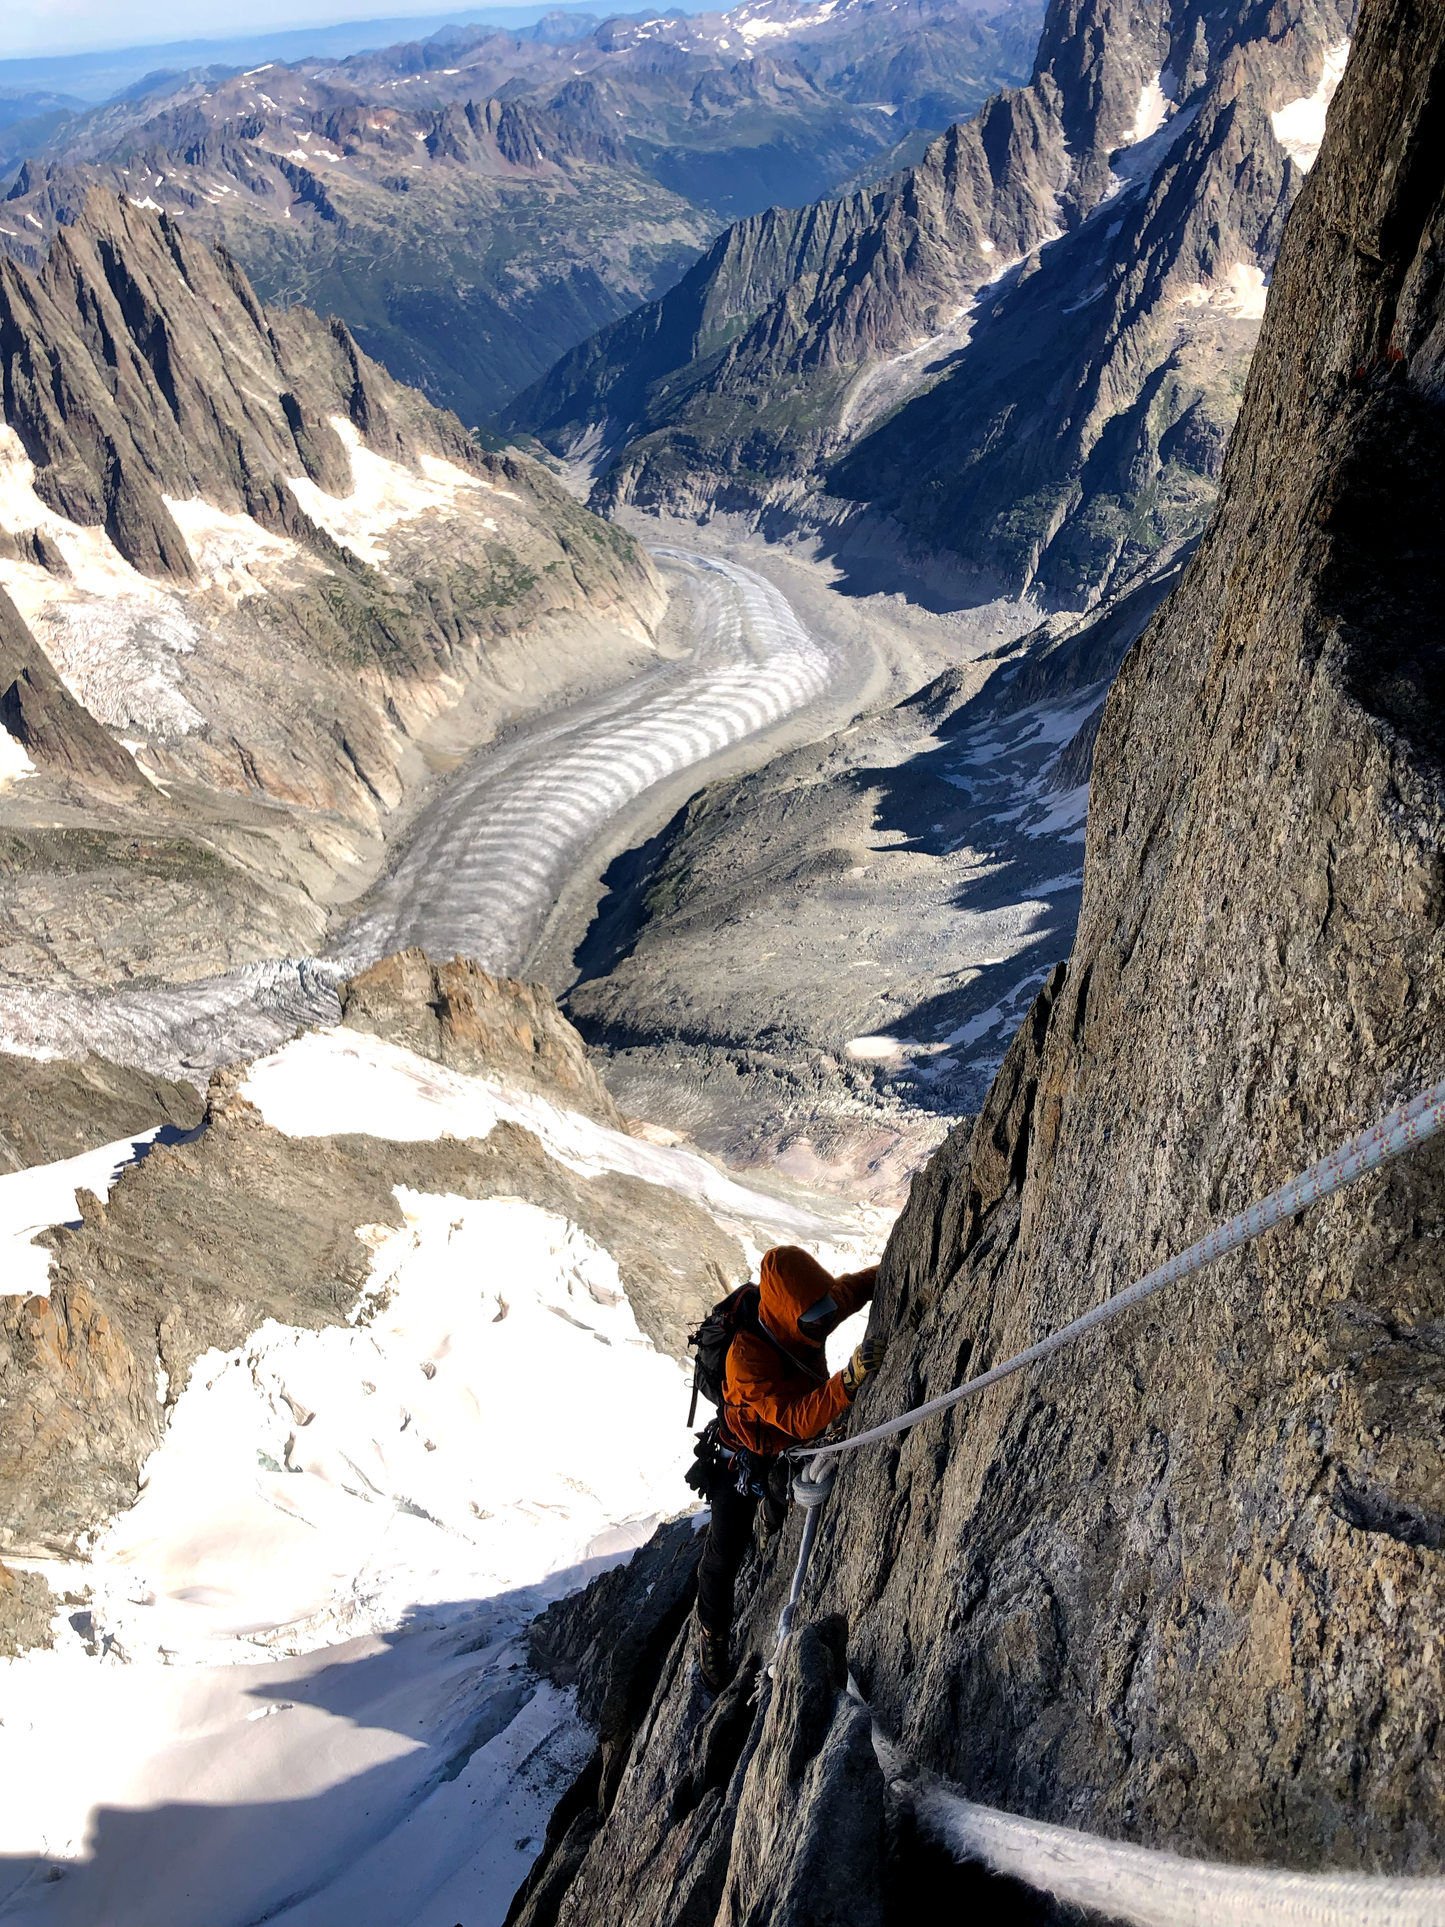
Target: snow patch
(384, 494)
(44, 1196)
(1156, 100)
(331, 1081)
(1299, 126)
(1241, 293)
(1137, 159)
(228, 548)
(15, 761)
(873, 1050)
(754, 30)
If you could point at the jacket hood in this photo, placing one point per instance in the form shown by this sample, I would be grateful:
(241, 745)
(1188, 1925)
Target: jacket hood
(790, 1282)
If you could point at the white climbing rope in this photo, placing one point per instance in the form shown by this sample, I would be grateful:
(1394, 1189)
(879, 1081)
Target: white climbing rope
(1403, 1128)
(1152, 1888)
(811, 1487)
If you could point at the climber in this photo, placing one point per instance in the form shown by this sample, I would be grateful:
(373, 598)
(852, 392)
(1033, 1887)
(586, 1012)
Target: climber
(776, 1393)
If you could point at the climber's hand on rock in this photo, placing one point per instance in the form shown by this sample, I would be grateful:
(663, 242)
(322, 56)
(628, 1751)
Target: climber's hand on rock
(867, 1358)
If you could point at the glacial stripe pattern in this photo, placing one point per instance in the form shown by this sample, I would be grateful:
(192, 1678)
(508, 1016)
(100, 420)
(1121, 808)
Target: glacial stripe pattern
(485, 867)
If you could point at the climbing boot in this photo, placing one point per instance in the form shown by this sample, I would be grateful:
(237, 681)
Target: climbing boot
(712, 1659)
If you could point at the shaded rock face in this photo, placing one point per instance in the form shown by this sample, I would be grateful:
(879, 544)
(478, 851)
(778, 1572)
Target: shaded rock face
(458, 1015)
(1062, 296)
(51, 1109)
(203, 1241)
(1182, 1586)
(56, 732)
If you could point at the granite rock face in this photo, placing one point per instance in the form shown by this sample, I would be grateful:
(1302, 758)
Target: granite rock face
(495, 1027)
(1182, 1585)
(51, 1109)
(1020, 357)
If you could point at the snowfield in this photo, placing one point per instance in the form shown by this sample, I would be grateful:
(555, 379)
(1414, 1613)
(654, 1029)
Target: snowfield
(336, 1080)
(290, 1684)
(44, 1195)
(299, 1656)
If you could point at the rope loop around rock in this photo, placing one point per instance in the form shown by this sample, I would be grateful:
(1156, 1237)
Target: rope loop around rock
(811, 1486)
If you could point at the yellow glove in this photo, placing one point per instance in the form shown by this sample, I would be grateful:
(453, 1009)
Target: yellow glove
(867, 1358)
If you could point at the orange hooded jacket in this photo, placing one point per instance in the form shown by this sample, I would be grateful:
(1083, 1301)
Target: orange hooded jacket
(766, 1407)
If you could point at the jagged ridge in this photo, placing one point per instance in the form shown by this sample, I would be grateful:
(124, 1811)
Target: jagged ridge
(1066, 426)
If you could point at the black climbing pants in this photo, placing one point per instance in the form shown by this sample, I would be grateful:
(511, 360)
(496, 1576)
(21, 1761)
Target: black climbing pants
(727, 1540)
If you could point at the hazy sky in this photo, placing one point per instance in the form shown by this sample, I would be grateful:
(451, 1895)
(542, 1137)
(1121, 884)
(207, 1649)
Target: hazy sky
(76, 26)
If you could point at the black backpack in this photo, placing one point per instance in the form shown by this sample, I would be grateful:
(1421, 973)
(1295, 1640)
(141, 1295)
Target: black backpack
(738, 1312)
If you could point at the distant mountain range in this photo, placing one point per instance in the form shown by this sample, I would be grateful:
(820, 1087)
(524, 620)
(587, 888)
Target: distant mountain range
(100, 75)
(1016, 363)
(476, 203)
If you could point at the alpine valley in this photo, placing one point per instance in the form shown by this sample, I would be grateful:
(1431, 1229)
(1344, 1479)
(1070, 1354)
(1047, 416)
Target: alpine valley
(626, 641)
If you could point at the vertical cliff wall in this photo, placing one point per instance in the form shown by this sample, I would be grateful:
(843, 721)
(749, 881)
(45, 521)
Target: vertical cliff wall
(1184, 1586)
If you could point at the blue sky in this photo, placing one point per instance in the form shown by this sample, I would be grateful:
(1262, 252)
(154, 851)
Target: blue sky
(29, 27)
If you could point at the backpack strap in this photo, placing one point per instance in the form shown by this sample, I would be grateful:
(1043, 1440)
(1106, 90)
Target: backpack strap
(760, 1330)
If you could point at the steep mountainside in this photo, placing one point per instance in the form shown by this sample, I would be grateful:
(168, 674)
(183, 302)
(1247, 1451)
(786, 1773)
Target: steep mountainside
(474, 204)
(1067, 287)
(1181, 1586)
(252, 594)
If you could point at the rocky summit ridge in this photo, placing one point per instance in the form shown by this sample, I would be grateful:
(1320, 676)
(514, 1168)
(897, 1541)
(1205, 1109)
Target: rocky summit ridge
(1014, 364)
(1181, 1587)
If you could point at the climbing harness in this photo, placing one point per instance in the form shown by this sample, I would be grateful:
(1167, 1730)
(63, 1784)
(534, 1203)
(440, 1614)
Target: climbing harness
(1412, 1123)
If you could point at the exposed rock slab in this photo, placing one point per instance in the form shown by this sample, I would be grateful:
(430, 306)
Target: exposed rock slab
(52, 1109)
